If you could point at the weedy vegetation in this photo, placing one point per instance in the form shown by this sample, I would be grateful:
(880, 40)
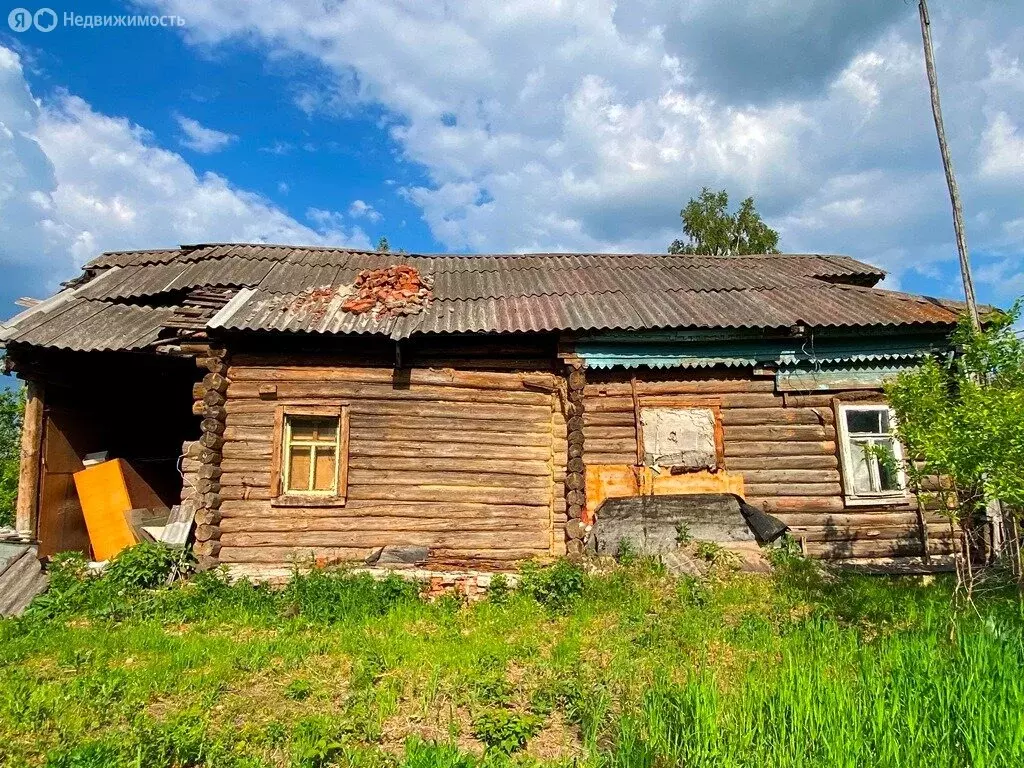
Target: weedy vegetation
(624, 668)
(12, 410)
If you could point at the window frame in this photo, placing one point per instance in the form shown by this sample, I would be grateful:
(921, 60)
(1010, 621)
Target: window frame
(280, 496)
(851, 497)
(713, 404)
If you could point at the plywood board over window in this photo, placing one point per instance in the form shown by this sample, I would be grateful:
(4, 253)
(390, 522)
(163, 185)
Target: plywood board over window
(309, 467)
(681, 433)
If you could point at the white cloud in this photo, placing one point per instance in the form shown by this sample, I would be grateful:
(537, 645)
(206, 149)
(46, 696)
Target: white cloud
(75, 182)
(1002, 149)
(362, 210)
(202, 139)
(589, 124)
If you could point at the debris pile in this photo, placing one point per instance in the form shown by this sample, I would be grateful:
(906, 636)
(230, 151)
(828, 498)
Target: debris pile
(392, 291)
(315, 301)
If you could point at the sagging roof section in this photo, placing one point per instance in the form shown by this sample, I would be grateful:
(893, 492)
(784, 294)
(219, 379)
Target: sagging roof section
(124, 299)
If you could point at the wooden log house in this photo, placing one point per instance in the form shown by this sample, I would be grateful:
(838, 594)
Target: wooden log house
(489, 424)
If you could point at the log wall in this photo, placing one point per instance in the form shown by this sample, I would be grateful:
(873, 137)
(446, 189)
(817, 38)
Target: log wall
(785, 447)
(470, 463)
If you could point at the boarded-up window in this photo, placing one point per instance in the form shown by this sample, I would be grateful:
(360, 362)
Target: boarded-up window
(680, 437)
(311, 454)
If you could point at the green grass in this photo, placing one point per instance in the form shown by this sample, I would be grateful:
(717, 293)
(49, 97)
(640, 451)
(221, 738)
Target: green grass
(627, 668)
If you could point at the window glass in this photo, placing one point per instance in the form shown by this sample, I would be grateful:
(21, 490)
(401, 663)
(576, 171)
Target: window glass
(327, 430)
(871, 451)
(310, 454)
(871, 422)
(861, 466)
(298, 468)
(303, 429)
(324, 476)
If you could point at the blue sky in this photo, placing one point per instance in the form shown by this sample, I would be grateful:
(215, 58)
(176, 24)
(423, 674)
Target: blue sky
(471, 127)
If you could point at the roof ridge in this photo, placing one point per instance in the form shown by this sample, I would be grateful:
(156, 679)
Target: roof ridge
(189, 247)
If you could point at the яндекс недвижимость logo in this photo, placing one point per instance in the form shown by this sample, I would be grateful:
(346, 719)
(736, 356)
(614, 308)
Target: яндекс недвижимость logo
(46, 20)
(22, 19)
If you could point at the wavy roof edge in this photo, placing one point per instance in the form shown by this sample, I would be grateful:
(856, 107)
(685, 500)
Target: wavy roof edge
(204, 251)
(256, 285)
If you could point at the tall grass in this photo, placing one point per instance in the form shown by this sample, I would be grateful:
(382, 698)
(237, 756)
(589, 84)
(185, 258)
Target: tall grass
(907, 699)
(628, 668)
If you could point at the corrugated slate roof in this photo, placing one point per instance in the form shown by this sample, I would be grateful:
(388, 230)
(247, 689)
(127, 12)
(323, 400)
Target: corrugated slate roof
(123, 297)
(90, 326)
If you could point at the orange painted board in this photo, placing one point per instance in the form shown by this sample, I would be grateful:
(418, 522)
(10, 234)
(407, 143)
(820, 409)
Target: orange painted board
(104, 496)
(624, 481)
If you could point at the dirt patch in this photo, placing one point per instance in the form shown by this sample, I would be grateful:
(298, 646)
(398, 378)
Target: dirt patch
(557, 740)
(445, 723)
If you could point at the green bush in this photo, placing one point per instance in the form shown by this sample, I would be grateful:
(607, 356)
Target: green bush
(316, 741)
(499, 590)
(298, 690)
(504, 730)
(555, 586)
(12, 409)
(144, 566)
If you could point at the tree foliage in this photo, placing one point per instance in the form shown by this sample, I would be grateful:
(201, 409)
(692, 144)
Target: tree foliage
(383, 246)
(960, 419)
(12, 408)
(712, 231)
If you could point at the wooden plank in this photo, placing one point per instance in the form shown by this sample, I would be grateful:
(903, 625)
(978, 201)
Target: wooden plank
(462, 540)
(764, 490)
(849, 519)
(416, 408)
(360, 432)
(607, 419)
(446, 377)
(445, 493)
(384, 526)
(422, 493)
(743, 463)
(780, 476)
(853, 533)
(423, 464)
(411, 448)
(463, 419)
(306, 554)
(26, 509)
(467, 479)
(735, 417)
(355, 508)
(331, 390)
(910, 546)
(801, 433)
(293, 555)
(733, 403)
(451, 436)
(825, 400)
(624, 433)
(797, 503)
(695, 384)
(601, 457)
(619, 446)
(749, 448)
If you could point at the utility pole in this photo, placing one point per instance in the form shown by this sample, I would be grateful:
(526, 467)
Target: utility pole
(947, 164)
